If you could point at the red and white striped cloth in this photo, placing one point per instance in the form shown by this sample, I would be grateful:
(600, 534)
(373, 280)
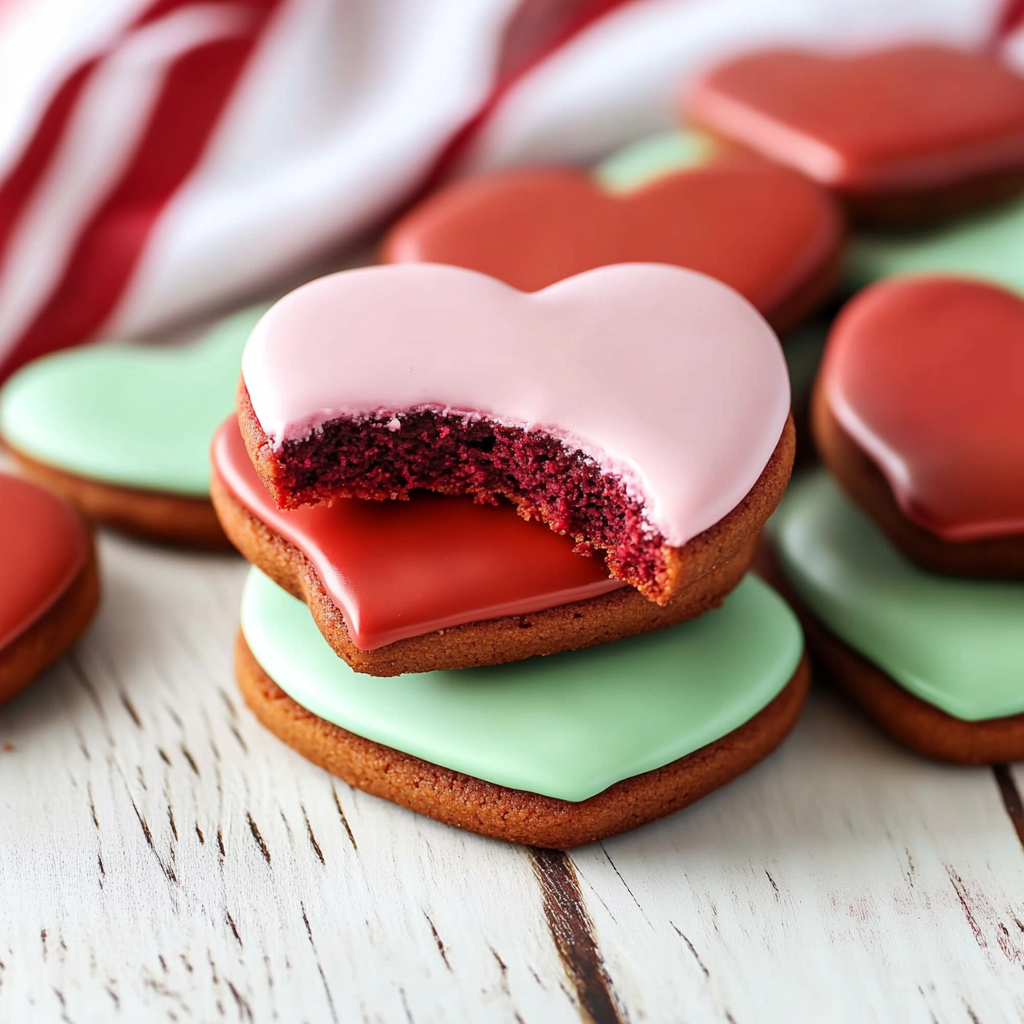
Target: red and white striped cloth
(160, 159)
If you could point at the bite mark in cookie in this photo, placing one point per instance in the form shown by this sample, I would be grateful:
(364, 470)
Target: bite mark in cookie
(439, 582)
(632, 407)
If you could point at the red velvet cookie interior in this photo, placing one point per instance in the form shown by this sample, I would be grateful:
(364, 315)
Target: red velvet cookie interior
(761, 229)
(926, 375)
(901, 118)
(452, 455)
(43, 547)
(405, 568)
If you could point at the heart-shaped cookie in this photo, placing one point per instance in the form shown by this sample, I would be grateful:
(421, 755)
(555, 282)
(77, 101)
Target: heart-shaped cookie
(124, 430)
(925, 378)
(437, 582)
(770, 234)
(48, 586)
(906, 133)
(633, 407)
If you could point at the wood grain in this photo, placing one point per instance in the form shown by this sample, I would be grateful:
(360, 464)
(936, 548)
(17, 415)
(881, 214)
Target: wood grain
(163, 858)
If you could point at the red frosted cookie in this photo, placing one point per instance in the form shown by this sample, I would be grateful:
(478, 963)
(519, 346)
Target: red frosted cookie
(641, 409)
(49, 589)
(770, 234)
(906, 135)
(438, 582)
(919, 412)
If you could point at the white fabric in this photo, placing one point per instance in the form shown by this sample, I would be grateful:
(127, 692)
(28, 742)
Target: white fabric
(329, 132)
(343, 110)
(619, 80)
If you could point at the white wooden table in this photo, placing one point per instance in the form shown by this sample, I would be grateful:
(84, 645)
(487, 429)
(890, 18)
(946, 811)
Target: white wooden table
(162, 857)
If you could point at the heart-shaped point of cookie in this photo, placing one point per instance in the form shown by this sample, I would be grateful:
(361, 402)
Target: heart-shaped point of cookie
(632, 407)
(767, 232)
(926, 376)
(894, 120)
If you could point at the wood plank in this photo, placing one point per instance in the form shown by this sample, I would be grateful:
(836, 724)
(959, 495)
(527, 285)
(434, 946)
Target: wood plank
(843, 880)
(163, 857)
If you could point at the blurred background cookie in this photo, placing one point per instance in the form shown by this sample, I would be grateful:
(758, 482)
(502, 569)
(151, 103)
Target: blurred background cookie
(49, 587)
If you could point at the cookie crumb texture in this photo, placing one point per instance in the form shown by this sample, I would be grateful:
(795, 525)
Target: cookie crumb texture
(563, 488)
(510, 814)
(383, 458)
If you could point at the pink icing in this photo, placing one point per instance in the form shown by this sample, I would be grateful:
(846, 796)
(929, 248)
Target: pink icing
(669, 379)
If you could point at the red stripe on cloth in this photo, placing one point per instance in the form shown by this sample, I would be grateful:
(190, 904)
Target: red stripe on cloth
(194, 93)
(35, 158)
(21, 181)
(1011, 18)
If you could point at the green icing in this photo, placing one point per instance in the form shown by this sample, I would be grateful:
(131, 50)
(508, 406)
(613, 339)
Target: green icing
(566, 726)
(988, 246)
(957, 644)
(133, 415)
(654, 157)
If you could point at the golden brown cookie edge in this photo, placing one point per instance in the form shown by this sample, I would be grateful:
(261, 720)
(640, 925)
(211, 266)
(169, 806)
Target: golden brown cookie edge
(513, 815)
(151, 515)
(598, 620)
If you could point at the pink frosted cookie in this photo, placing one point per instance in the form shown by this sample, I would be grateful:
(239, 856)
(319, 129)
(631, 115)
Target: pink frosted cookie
(641, 409)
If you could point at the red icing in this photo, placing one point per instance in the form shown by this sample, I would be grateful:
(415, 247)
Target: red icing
(43, 547)
(399, 569)
(758, 228)
(927, 376)
(900, 118)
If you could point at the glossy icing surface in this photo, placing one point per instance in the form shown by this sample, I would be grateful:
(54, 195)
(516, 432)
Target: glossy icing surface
(898, 118)
(926, 375)
(649, 159)
(397, 569)
(957, 644)
(761, 229)
(989, 246)
(132, 415)
(668, 378)
(43, 547)
(566, 726)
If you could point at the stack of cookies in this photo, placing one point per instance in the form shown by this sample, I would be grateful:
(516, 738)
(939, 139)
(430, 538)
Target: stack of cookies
(594, 662)
(907, 558)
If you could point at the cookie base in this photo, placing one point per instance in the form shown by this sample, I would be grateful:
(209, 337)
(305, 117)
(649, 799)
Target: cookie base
(862, 480)
(599, 620)
(909, 720)
(934, 206)
(905, 209)
(918, 725)
(511, 814)
(39, 646)
(151, 515)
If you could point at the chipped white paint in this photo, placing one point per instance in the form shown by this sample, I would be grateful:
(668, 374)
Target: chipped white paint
(163, 858)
